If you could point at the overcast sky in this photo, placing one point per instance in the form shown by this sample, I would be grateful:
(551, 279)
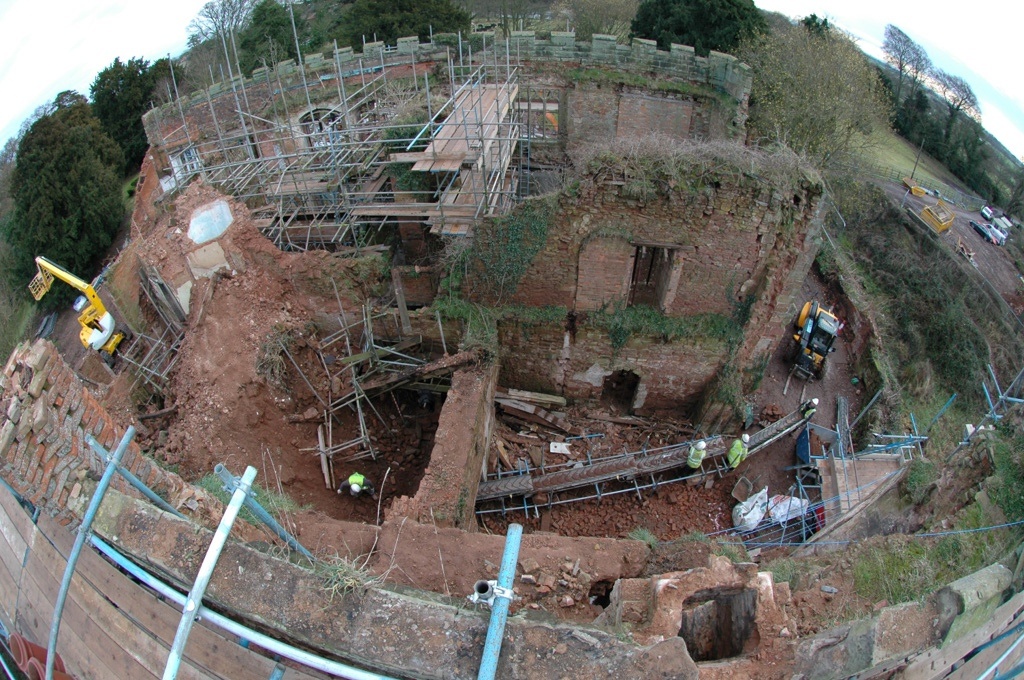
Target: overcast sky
(58, 45)
(53, 45)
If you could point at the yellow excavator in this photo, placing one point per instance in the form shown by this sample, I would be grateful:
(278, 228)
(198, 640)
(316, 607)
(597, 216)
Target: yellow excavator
(817, 329)
(98, 329)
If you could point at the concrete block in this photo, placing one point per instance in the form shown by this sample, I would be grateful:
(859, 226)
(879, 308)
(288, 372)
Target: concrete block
(563, 38)
(40, 376)
(408, 45)
(14, 410)
(6, 438)
(968, 602)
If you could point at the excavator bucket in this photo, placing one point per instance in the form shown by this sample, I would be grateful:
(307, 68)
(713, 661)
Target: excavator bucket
(39, 285)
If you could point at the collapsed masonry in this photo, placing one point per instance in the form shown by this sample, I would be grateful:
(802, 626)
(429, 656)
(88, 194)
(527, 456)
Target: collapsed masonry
(714, 238)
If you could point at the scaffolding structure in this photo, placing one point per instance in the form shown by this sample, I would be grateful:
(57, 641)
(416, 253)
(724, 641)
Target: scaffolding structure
(336, 169)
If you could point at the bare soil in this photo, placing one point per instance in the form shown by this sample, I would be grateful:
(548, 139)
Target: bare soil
(227, 413)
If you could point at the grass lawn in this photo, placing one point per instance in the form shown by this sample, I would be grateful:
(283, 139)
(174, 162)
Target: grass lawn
(16, 328)
(889, 149)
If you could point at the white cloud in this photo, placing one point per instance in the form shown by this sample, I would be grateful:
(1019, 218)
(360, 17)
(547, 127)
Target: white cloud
(72, 41)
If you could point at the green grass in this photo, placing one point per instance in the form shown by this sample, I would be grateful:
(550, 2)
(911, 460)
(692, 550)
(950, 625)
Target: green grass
(16, 326)
(889, 149)
(277, 504)
(644, 534)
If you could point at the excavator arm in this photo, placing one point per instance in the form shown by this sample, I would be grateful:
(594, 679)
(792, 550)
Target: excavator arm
(97, 324)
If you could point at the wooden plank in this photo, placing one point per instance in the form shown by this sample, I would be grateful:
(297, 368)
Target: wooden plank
(536, 414)
(35, 611)
(503, 455)
(323, 455)
(20, 519)
(936, 661)
(981, 661)
(536, 397)
(9, 592)
(207, 649)
(13, 548)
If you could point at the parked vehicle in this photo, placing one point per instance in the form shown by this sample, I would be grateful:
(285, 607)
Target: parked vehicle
(987, 212)
(1000, 233)
(984, 231)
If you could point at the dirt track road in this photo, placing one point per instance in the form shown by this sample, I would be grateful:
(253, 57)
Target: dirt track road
(995, 263)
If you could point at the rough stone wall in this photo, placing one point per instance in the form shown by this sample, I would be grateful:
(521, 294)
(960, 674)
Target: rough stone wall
(45, 416)
(447, 492)
(723, 240)
(736, 241)
(397, 633)
(547, 358)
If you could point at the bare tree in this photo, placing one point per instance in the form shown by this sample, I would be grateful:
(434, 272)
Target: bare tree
(919, 67)
(899, 51)
(219, 17)
(907, 57)
(960, 98)
(815, 92)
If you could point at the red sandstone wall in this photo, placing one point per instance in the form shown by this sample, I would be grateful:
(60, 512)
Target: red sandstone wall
(45, 415)
(722, 240)
(447, 492)
(549, 359)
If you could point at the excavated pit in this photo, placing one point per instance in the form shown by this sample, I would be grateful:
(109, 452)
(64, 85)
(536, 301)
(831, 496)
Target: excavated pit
(719, 623)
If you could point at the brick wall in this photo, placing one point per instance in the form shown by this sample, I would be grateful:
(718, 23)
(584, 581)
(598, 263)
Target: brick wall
(737, 239)
(548, 358)
(725, 240)
(447, 492)
(46, 414)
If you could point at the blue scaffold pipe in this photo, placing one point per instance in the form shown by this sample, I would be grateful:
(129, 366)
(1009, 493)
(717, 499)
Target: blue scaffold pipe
(195, 596)
(83, 535)
(133, 480)
(230, 482)
(499, 611)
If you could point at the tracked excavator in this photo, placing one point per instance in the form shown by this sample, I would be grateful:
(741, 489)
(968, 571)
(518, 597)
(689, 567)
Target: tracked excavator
(817, 329)
(98, 330)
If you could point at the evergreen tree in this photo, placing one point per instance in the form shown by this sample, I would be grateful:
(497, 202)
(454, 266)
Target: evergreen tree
(67, 191)
(268, 36)
(704, 24)
(120, 95)
(390, 20)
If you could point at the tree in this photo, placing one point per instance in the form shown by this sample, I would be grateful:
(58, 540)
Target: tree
(704, 24)
(219, 17)
(1015, 205)
(268, 36)
(390, 20)
(610, 17)
(959, 98)
(120, 95)
(816, 25)
(814, 91)
(905, 55)
(67, 190)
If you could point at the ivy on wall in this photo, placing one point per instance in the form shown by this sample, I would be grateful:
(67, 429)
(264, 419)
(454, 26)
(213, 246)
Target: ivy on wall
(504, 248)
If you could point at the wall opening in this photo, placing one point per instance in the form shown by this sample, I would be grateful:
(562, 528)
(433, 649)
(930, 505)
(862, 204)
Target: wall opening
(718, 623)
(619, 390)
(601, 593)
(652, 270)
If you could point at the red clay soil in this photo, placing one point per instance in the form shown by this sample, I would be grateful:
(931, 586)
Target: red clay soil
(228, 414)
